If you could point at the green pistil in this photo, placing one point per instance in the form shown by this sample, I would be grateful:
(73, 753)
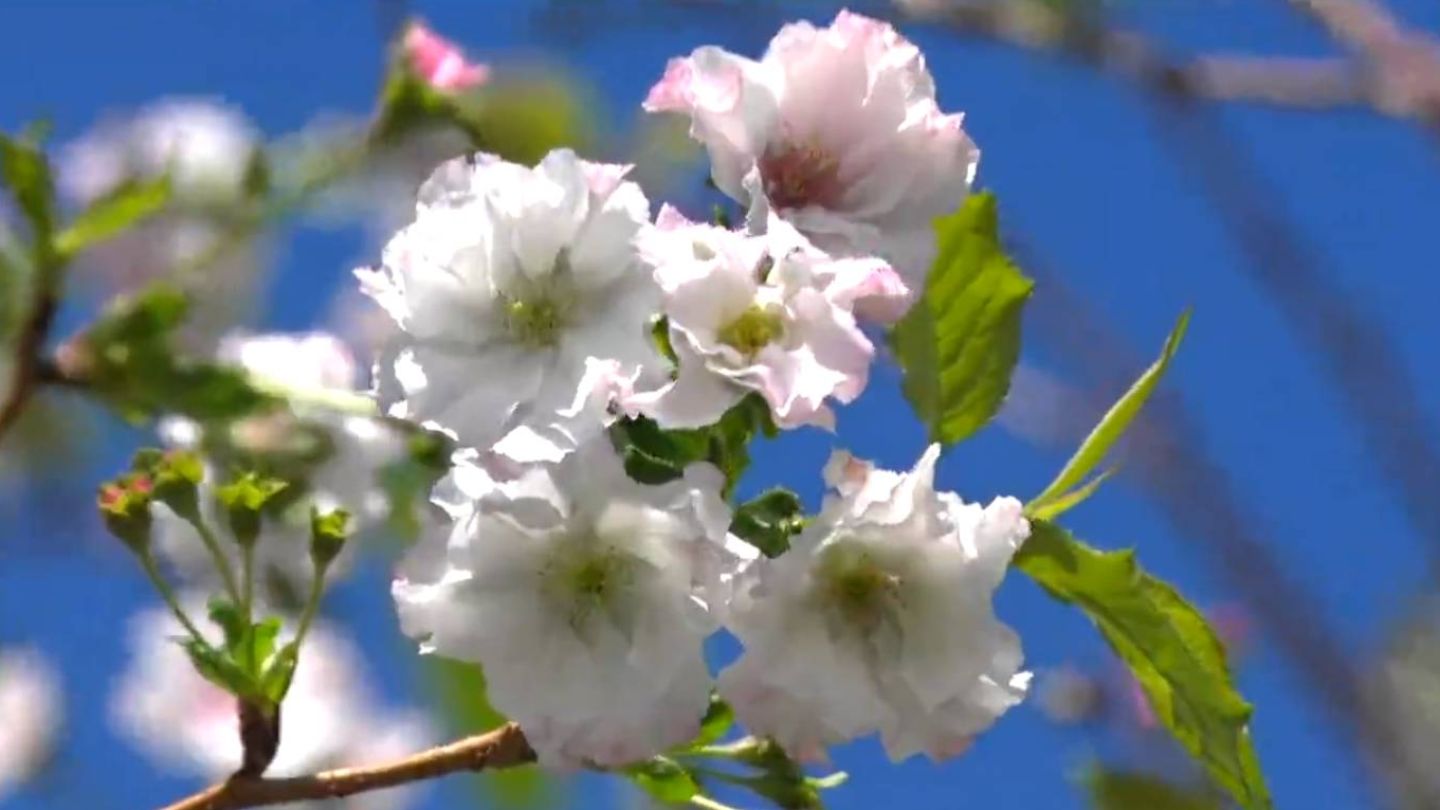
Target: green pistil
(589, 583)
(859, 589)
(535, 322)
(752, 331)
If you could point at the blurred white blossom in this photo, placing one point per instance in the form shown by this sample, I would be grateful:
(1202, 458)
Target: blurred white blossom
(340, 456)
(31, 712)
(519, 295)
(329, 719)
(206, 147)
(584, 596)
(747, 313)
(837, 130)
(878, 618)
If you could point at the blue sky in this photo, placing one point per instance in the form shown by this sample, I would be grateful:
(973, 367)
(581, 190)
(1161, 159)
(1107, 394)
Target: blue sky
(1081, 178)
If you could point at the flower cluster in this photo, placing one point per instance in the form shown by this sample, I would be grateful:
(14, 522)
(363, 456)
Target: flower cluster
(537, 309)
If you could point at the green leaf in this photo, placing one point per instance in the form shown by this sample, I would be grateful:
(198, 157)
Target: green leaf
(1120, 790)
(218, 668)
(768, 520)
(665, 779)
(130, 363)
(227, 616)
(958, 345)
(1065, 501)
(25, 171)
(279, 671)
(715, 725)
(654, 456)
(117, 211)
(1172, 651)
(1112, 426)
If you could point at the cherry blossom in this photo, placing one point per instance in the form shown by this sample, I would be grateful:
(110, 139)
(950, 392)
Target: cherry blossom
(878, 618)
(754, 313)
(439, 62)
(518, 292)
(837, 130)
(584, 596)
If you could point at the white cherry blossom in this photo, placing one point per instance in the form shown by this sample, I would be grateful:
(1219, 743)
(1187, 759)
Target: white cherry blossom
(878, 618)
(329, 719)
(517, 291)
(836, 129)
(768, 314)
(31, 711)
(584, 596)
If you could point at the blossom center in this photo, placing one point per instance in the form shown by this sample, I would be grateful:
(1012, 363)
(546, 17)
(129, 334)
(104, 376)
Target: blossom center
(587, 580)
(752, 331)
(858, 588)
(535, 322)
(797, 175)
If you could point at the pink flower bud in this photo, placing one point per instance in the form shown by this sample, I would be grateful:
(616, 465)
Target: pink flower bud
(440, 63)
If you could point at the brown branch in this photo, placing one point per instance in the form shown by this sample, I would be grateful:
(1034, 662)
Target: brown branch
(25, 378)
(503, 747)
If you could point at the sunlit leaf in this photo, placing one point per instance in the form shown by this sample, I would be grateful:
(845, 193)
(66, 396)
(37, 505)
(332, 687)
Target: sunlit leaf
(1174, 654)
(1112, 426)
(959, 343)
(117, 211)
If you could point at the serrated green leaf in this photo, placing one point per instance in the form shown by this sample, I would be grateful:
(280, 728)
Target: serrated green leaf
(665, 779)
(1174, 654)
(958, 345)
(117, 211)
(1112, 426)
(1120, 790)
(769, 520)
(654, 455)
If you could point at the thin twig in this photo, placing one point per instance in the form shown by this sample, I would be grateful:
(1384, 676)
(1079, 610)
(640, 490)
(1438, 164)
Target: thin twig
(503, 747)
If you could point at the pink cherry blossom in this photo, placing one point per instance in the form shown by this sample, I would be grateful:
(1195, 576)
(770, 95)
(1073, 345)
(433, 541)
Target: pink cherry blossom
(440, 62)
(753, 313)
(835, 129)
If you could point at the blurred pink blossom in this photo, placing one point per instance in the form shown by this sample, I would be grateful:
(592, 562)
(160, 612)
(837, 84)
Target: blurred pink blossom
(440, 62)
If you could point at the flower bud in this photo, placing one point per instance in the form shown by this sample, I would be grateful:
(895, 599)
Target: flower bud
(175, 478)
(244, 499)
(328, 533)
(125, 505)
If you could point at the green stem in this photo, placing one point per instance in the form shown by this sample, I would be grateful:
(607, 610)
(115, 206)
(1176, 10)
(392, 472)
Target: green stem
(247, 580)
(312, 605)
(222, 563)
(148, 563)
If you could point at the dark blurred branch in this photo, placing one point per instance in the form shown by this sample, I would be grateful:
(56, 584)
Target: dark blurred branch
(1402, 66)
(1288, 82)
(502, 748)
(24, 377)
